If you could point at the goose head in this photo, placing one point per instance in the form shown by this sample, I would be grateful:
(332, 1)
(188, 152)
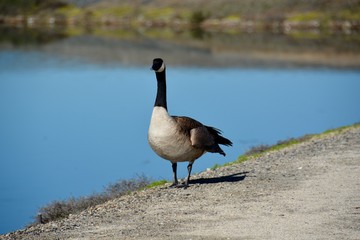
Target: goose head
(158, 65)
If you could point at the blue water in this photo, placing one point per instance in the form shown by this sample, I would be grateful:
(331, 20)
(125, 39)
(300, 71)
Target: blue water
(69, 128)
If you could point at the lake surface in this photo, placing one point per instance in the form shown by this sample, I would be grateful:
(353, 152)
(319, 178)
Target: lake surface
(69, 126)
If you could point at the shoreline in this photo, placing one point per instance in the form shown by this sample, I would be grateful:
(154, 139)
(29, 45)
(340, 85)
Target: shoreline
(213, 25)
(298, 49)
(278, 186)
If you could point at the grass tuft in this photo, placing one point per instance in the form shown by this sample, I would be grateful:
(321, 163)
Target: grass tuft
(157, 183)
(61, 209)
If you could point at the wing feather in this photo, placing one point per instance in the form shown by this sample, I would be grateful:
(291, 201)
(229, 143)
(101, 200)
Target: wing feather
(202, 136)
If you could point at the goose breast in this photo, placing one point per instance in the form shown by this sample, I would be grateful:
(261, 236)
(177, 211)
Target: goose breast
(168, 141)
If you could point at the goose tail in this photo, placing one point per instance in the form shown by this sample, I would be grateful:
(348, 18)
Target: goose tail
(216, 133)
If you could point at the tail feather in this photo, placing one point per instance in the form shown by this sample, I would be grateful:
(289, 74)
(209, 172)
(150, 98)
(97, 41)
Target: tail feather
(223, 141)
(216, 133)
(215, 149)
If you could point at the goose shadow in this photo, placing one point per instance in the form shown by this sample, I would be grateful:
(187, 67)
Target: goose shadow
(236, 177)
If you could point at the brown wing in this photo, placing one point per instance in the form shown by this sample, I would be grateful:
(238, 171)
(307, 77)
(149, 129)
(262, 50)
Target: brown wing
(186, 124)
(202, 137)
(199, 135)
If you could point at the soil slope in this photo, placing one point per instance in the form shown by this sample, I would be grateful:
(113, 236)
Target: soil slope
(307, 191)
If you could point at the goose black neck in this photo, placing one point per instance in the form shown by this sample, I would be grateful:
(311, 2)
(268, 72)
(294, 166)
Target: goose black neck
(161, 90)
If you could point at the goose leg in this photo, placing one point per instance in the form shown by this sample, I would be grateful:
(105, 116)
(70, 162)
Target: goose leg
(189, 167)
(174, 168)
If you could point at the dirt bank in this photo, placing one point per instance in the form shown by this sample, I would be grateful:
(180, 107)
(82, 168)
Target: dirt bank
(307, 191)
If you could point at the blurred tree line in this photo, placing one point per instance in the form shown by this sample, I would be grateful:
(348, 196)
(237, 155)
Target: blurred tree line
(214, 7)
(201, 10)
(14, 7)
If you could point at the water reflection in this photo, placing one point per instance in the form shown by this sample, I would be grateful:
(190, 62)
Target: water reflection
(194, 47)
(29, 36)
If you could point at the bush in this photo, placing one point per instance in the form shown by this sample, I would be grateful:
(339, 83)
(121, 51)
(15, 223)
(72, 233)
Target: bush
(13, 7)
(197, 18)
(62, 209)
(257, 149)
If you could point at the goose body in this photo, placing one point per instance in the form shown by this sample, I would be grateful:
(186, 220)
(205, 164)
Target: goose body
(168, 141)
(179, 139)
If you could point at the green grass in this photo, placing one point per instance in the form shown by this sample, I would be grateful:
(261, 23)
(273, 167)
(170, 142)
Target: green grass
(349, 14)
(325, 17)
(69, 11)
(120, 12)
(258, 151)
(215, 166)
(156, 184)
(307, 16)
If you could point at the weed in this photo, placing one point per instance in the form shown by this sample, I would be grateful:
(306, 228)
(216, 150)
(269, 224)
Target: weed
(62, 209)
(215, 166)
(257, 149)
(125, 186)
(242, 158)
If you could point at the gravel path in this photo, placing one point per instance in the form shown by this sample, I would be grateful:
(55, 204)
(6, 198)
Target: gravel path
(307, 191)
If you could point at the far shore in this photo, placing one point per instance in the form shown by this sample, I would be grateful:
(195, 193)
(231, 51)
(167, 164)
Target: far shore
(240, 25)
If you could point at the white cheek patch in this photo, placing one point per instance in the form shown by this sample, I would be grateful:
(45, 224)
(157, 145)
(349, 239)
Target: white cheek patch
(162, 68)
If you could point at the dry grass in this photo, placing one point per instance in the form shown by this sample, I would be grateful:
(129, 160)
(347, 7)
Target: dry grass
(62, 209)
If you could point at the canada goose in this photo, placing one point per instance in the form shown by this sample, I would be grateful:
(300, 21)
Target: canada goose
(179, 139)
